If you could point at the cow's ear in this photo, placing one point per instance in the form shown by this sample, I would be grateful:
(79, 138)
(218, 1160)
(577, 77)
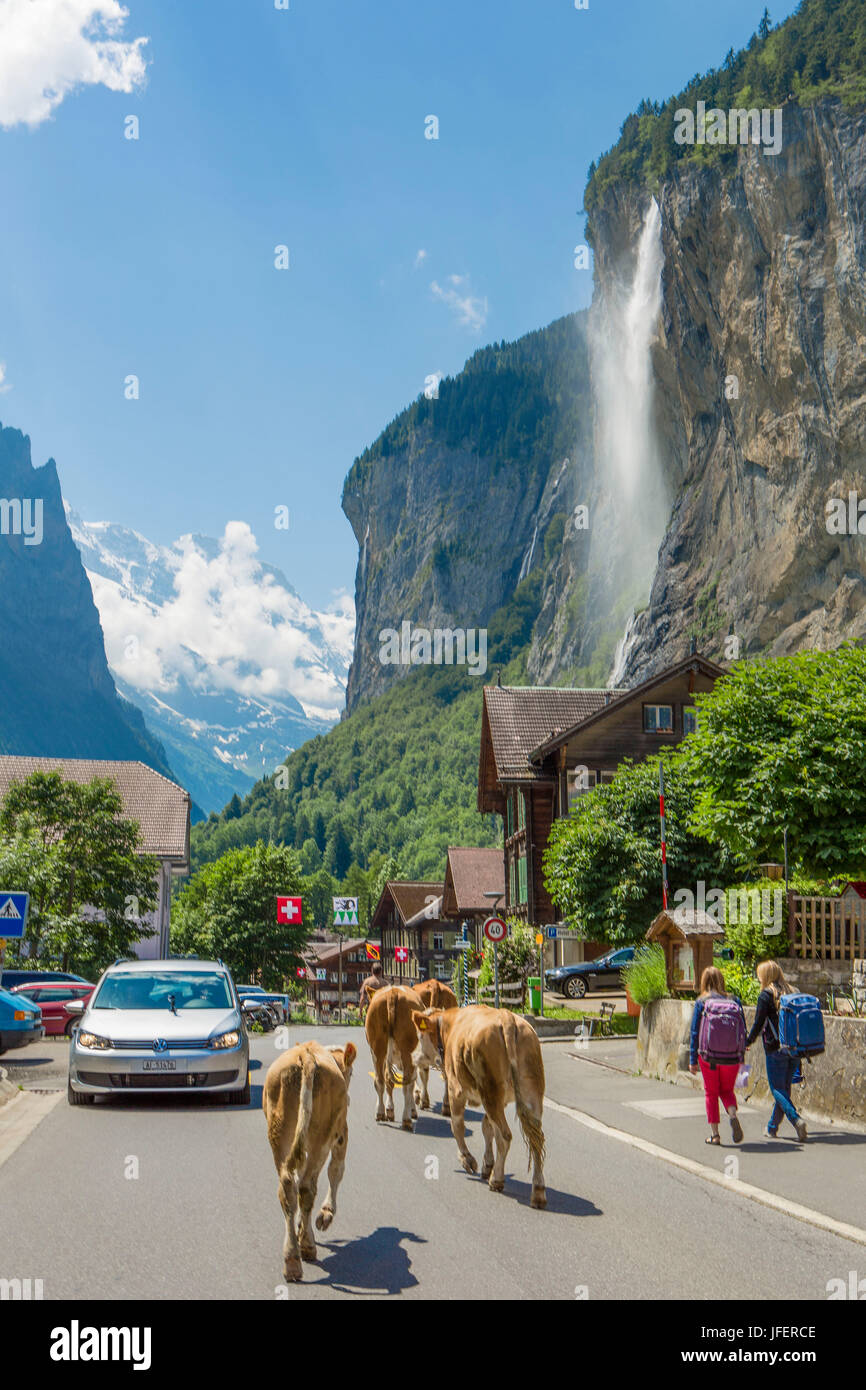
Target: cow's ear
(420, 1022)
(350, 1052)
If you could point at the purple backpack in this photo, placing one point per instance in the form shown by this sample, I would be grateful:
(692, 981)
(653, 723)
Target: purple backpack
(722, 1032)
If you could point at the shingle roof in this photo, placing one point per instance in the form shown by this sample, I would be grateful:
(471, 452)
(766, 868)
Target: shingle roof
(522, 717)
(691, 921)
(161, 807)
(324, 950)
(470, 874)
(409, 896)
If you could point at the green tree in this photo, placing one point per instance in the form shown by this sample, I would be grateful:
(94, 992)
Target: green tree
(228, 911)
(782, 743)
(80, 858)
(603, 867)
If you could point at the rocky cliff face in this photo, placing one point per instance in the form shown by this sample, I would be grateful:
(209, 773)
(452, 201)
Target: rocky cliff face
(717, 526)
(58, 697)
(764, 288)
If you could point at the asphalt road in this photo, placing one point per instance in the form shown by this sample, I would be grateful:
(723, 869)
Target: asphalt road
(170, 1197)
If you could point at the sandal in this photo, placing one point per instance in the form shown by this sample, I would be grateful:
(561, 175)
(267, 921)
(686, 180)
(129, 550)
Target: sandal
(714, 1139)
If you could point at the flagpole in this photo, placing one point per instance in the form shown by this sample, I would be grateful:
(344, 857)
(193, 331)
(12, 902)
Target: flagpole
(663, 833)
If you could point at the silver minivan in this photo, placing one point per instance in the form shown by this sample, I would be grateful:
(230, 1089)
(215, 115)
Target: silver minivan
(161, 1025)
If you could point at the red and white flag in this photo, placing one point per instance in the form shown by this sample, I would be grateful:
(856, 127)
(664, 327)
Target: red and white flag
(401, 953)
(290, 910)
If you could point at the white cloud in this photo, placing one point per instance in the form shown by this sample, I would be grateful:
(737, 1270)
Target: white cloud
(228, 626)
(48, 48)
(470, 309)
(420, 258)
(4, 384)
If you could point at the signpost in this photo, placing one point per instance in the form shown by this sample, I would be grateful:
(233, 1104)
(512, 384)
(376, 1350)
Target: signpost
(345, 915)
(496, 930)
(539, 941)
(13, 919)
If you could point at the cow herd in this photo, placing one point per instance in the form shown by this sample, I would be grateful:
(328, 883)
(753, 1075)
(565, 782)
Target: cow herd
(487, 1057)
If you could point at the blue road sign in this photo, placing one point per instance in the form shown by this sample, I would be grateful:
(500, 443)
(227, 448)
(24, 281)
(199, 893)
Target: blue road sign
(13, 915)
(551, 933)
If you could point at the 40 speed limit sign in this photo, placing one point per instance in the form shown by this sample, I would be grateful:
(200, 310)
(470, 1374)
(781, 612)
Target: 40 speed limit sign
(495, 929)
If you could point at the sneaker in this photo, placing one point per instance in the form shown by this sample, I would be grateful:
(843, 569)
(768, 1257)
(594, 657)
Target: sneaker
(771, 1133)
(736, 1128)
(800, 1127)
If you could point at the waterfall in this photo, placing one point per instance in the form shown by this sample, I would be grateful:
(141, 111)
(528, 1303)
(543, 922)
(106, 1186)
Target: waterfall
(527, 559)
(624, 372)
(623, 650)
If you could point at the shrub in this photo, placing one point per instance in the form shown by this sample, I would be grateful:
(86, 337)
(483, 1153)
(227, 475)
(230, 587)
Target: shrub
(646, 976)
(740, 981)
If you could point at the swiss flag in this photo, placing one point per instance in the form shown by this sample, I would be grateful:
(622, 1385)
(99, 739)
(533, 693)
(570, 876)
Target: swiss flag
(289, 910)
(401, 953)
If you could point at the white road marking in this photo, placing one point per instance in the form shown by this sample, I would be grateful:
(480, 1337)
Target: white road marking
(20, 1117)
(700, 1170)
(667, 1109)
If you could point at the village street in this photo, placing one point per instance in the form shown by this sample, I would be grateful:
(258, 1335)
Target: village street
(170, 1199)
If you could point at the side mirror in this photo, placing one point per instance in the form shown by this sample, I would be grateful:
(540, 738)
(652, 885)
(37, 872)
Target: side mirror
(75, 1007)
(249, 1006)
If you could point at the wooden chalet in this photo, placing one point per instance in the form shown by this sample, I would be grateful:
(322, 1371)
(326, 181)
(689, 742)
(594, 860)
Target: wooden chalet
(400, 902)
(542, 748)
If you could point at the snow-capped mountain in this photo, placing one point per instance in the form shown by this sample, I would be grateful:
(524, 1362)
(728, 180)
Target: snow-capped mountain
(231, 668)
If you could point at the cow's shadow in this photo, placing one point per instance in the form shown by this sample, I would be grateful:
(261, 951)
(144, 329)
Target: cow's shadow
(559, 1203)
(376, 1264)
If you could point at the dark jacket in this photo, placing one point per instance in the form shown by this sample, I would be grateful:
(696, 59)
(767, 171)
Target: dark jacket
(696, 1024)
(766, 1022)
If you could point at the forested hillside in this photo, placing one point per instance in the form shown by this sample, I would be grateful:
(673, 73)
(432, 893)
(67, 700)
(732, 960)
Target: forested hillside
(397, 777)
(820, 51)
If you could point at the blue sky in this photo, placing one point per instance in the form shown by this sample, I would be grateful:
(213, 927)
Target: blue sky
(304, 127)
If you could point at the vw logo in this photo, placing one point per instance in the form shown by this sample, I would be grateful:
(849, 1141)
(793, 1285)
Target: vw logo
(160, 1045)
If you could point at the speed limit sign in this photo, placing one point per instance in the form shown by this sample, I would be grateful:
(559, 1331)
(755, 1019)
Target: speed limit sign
(495, 929)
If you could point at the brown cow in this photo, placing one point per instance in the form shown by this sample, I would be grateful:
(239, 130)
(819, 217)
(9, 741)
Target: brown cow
(491, 1057)
(435, 995)
(305, 1099)
(393, 1038)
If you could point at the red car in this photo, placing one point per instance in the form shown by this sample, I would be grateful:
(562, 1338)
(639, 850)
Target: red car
(51, 998)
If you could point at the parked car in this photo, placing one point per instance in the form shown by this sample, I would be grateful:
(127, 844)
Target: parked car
(10, 978)
(157, 1025)
(52, 999)
(20, 1021)
(574, 980)
(280, 1003)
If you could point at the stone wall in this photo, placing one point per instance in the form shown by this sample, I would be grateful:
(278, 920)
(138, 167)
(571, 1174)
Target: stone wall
(835, 1082)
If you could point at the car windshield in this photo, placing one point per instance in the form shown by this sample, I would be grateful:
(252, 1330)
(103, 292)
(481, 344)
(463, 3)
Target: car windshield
(137, 990)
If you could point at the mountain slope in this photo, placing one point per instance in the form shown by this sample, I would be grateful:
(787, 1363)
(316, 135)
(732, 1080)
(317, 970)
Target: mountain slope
(58, 696)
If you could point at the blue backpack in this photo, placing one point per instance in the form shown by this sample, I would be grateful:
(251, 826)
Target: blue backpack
(801, 1025)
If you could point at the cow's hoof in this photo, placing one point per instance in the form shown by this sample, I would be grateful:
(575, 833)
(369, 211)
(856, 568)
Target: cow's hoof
(486, 1171)
(309, 1253)
(469, 1163)
(414, 1113)
(538, 1198)
(425, 1105)
(381, 1118)
(407, 1124)
(324, 1219)
(496, 1184)
(446, 1112)
(390, 1116)
(292, 1271)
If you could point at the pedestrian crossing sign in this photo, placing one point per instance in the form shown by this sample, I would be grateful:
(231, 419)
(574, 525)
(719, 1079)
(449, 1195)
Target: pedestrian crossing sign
(13, 915)
(345, 912)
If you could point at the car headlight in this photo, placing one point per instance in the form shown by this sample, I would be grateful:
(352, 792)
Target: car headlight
(93, 1040)
(226, 1039)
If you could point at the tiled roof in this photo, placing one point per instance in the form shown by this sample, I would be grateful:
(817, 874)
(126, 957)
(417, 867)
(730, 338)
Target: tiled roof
(324, 950)
(690, 920)
(161, 807)
(522, 717)
(471, 873)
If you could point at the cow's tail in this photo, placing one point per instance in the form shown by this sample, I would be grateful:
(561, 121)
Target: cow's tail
(305, 1111)
(530, 1126)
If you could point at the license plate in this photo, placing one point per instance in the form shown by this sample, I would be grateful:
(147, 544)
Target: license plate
(159, 1064)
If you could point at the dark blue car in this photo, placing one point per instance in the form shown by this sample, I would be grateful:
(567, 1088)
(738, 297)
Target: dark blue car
(574, 980)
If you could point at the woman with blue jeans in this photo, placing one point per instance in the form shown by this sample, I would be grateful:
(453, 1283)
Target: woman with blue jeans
(781, 1066)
